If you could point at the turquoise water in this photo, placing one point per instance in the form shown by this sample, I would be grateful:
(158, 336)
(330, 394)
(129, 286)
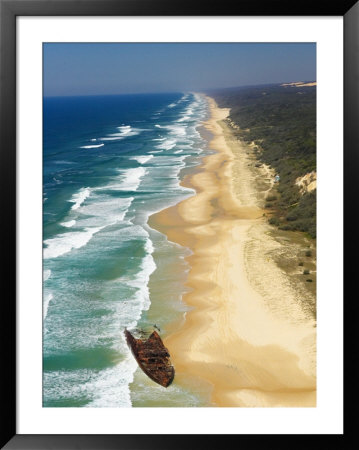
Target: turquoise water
(108, 164)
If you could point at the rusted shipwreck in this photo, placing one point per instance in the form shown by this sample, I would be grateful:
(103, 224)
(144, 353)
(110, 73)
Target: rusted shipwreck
(153, 357)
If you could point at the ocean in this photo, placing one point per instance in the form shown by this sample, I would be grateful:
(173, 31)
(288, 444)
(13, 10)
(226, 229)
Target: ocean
(109, 162)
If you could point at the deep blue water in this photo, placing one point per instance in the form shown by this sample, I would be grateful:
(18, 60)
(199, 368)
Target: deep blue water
(109, 162)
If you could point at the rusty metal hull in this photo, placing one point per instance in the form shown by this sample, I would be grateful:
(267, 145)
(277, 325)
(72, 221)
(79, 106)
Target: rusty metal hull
(153, 357)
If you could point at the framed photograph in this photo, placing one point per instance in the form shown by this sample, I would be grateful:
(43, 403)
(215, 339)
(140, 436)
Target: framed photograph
(174, 180)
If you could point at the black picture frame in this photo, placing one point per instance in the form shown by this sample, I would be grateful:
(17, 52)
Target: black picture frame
(9, 10)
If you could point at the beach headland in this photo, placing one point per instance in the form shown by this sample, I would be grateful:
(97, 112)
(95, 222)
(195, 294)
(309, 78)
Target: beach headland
(248, 332)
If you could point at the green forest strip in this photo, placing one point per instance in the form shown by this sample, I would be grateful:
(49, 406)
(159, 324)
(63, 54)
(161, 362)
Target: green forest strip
(281, 122)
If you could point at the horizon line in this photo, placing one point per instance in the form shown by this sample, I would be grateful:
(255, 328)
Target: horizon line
(180, 91)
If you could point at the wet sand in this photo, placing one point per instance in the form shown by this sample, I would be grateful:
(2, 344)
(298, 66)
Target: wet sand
(247, 333)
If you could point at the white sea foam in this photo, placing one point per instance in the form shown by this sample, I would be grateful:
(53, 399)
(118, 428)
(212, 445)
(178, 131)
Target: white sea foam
(183, 98)
(103, 210)
(105, 388)
(141, 159)
(147, 266)
(110, 388)
(183, 118)
(129, 179)
(47, 299)
(118, 138)
(68, 224)
(99, 212)
(125, 128)
(177, 130)
(80, 197)
(168, 144)
(178, 151)
(63, 162)
(93, 146)
(156, 151)
(140, 281)
(125, 131)
(187, 114)
(64, 243)
(47, 274)
(149, 246)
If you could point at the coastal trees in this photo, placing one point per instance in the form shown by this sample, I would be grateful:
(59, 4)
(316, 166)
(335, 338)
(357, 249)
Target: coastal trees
(281, 122)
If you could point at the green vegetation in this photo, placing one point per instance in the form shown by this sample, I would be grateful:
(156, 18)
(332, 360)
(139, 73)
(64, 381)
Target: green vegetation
(281, 121)
(274, 221)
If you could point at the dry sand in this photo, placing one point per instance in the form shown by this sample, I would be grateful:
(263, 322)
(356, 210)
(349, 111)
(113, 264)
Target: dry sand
(300, 84)
(246, 333)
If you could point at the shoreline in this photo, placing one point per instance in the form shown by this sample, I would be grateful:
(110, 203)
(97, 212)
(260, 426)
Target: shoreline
(253, 346)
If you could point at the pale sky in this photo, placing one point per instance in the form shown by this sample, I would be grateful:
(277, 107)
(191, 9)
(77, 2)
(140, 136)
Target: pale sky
(116, 68)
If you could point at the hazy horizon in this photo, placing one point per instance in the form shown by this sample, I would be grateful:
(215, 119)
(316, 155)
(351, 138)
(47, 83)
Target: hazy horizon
(88, 69)
(179, 92)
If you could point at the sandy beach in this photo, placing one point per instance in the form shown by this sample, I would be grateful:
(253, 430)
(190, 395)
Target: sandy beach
(248, 332)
